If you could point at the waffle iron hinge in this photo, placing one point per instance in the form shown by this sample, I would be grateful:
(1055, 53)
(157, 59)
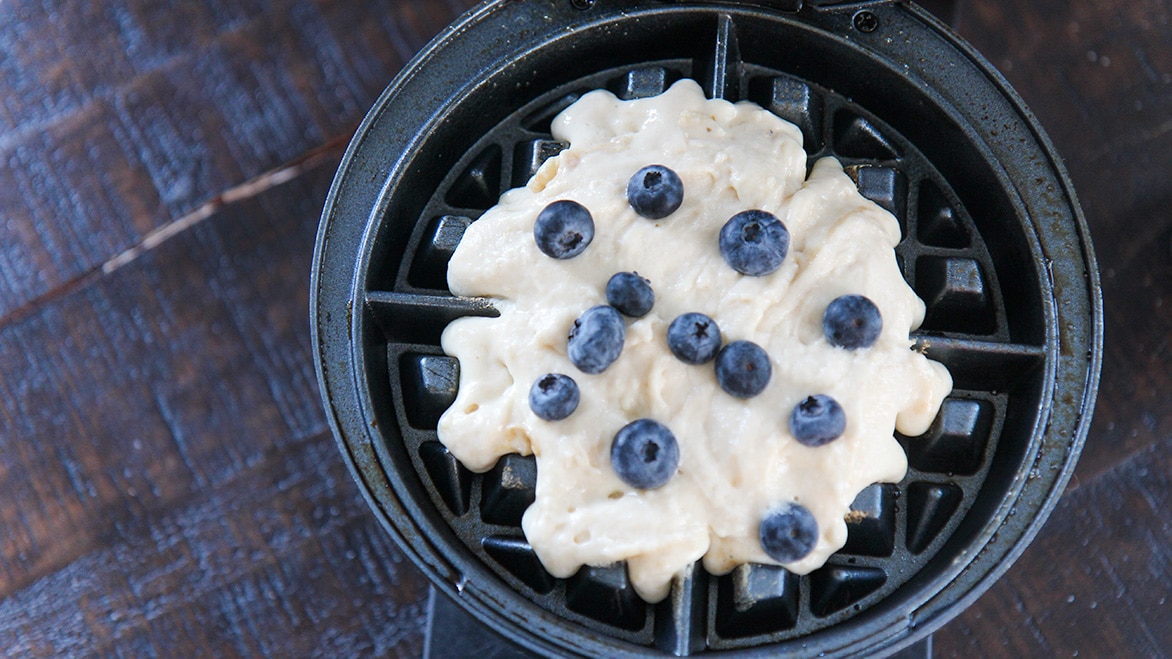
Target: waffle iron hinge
(790, 6)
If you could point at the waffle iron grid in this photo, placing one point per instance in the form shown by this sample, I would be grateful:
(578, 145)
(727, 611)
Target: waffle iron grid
(896, 528)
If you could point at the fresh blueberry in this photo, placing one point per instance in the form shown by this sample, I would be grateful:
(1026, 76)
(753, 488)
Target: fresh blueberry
(817, 420)
(596, 339)
(655, 192)
(645, 454)
(554, 396)
(743, 369)
(789, 533)
(630, 294)
(694, 338)
(852, 322)
(754, 242)
(563, 229)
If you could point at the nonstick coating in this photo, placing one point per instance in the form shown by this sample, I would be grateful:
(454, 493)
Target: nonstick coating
(994, 242)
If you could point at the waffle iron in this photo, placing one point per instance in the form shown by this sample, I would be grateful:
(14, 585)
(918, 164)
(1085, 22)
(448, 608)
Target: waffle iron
(994, 242)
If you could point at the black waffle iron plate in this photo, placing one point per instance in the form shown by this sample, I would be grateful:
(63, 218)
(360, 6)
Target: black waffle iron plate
(993, 241)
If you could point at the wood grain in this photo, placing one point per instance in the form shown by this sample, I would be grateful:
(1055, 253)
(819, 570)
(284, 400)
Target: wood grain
(185, 460)
(1096, 582)
(281, 560)
(152, 387)
(120, 117)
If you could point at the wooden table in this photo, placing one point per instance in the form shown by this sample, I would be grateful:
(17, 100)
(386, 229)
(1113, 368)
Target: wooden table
(168, 483)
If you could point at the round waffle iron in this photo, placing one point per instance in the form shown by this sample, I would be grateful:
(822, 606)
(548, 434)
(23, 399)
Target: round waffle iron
(993, 242)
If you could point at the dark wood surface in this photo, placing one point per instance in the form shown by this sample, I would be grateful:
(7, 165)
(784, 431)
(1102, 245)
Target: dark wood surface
(168, 484)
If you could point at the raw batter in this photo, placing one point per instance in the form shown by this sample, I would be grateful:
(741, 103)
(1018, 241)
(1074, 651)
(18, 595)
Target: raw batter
(737, 458)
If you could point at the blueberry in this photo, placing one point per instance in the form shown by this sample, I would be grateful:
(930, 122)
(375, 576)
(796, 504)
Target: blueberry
(789, 533)
(743, 369)
(851, 322)
(554, 396)
(754, 242)
(694, 338)
(563, 229)
(655, 192)
(596, 339)
(630, 294)
(817, 420)
(645, 454)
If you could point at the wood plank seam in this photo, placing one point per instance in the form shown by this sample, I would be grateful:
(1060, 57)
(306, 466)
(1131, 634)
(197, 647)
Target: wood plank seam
(235, 194)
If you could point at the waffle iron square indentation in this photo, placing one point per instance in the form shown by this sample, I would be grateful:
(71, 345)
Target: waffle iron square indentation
(893, 528)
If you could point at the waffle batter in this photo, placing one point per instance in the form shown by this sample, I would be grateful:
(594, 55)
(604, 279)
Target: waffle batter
(737, 458)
